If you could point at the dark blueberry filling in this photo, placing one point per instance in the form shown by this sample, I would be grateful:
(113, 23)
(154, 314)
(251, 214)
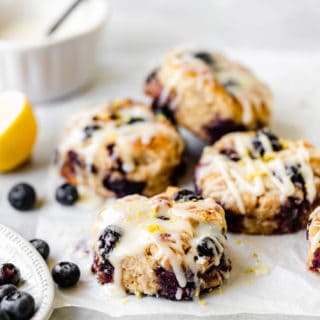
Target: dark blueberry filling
(122, 187)
(205, 57)
(89, 130)
(152, 75)
(163, 218)
(135, 120)
(316, 260)
(169, 285)
(219, 127)
(103, 269)
(295, 176)
(108, 240)
(230, 153)
(110, 149)
(164, 108)
(207, 247)
(234, 222)
(179, 171)
(73, 157)
(293, 215)
(274, 140)
(187, 195)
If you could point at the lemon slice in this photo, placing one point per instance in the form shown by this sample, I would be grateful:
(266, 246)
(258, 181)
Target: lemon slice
(18, 130)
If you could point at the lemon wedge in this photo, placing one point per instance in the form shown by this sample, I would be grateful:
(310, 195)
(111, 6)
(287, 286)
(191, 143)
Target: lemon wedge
(18, 130)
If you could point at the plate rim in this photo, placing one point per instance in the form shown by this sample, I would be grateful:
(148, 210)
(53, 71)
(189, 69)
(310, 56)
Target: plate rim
(42, 271)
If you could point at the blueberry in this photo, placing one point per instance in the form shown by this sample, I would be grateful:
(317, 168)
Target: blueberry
(207, 247)
(230, 154)
(108, 240)
(7, 289)
(22, 197)
(89, 130)
(42, 247)
(152, 75)
(9, 273)
(295, 175)
(67, 194)
(274, 140)
(122, 187)
(135, 120)
(65, 274)
(4, 315)
(103, 268)
(205, 57)
(315, 264)
(19, 305)
(186, 195)
(230, 83)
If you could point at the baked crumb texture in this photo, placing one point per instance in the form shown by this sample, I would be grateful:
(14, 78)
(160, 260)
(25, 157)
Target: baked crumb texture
(171, 245)
(266, 185)
(120, 148)
(208, 94)
(313, 237)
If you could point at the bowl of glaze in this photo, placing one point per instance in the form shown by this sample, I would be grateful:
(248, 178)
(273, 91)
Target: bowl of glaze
(46, 68)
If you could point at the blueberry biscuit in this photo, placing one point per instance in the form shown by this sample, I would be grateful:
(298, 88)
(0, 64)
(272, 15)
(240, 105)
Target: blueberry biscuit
(208, 94)
(313, 237)
(120, 148)
(266, 185)
(171, 245)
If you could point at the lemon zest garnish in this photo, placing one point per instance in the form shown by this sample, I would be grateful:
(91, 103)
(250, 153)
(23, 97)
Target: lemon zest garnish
(268, 156)
(220, 291)
(238, 241)
(154, 228)
(202, 302)
(258, 271)
(124, 300)
(139, 295)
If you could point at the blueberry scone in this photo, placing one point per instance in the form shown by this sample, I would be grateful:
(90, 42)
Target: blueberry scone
(208, 94)
(313, 237)
(171, 245)
(120, 148)
(265, 185)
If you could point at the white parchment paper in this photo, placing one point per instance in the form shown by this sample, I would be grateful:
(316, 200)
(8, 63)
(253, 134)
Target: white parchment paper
(269, 273)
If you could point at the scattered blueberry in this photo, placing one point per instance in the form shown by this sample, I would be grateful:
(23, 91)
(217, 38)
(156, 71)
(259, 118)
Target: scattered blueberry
(108, 240)
(207, 247)
(67, 194)
(122, 187)
(19, 305)
(89, 130)
(9, 273)
(7, 289)
(274, 140)
(42, 247)
(65, 274)
(186, 195)
(4, 315)
(22, 197)
(205, 57)
(230, 154)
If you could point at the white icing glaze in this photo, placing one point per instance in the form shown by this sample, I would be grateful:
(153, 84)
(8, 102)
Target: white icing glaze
(247, 174)
(137, 218)
(314, 240)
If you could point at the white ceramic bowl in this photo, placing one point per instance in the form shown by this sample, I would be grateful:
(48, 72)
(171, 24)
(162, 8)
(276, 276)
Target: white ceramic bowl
(49, 68)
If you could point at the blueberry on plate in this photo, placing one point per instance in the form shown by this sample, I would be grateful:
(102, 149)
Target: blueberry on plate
(65, 274)
(22, 197)
(19, 305)
(9, 273)
(67, 194)
(4, 315)
(7, 289)
(42, 247)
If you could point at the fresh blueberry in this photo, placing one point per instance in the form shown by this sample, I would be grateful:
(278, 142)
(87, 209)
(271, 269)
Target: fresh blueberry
(7, 289)
(9, 273)
(22, 197)
(89, 130)
(4, 315)
(108, 240)
(19, 305)
(65, 274)
(274, 140)
(205, 57)
(67, 194)
(207, 247)
(42, 247)
(230, 153)
(186, 195)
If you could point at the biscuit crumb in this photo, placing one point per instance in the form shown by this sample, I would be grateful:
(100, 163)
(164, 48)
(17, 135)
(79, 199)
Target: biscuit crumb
(258, 271)
(124, 300)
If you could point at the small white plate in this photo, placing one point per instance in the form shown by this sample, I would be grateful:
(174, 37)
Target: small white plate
(34, 272)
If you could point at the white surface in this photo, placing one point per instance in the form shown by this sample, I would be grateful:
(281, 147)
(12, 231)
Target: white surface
(266, 33)
(34, 272)
(48, 68)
